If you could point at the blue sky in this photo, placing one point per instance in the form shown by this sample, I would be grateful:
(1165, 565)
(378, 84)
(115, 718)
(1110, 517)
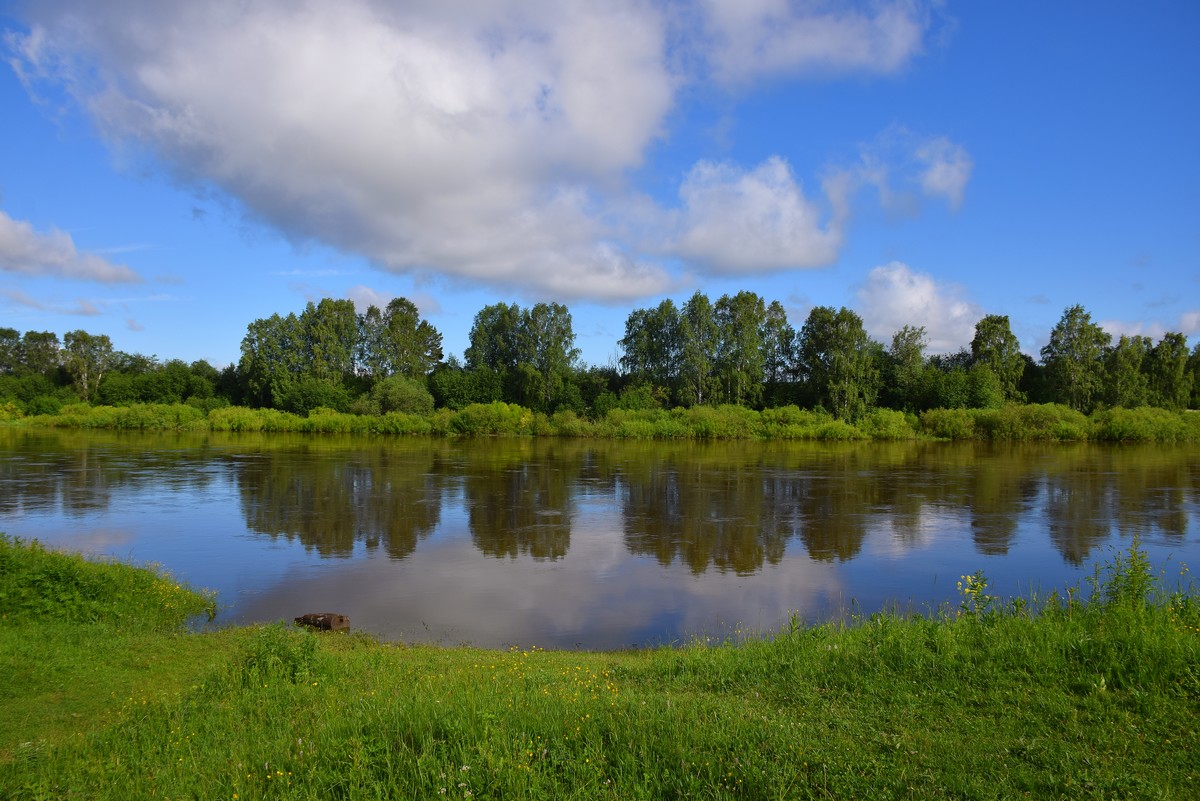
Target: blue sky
(173, 171)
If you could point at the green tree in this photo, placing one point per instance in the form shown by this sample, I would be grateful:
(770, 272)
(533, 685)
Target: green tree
(1194, 369)
(778, 354)
(495, 338)
(1167, 373)
(739, 363)
(547, 344)
(1126, 381)
(995, 345)
(652, 345)
(904, 366)
(371, 356)
(839, 362)
(1074, 360)
(10, 351)
(698, 351)
(272, 359)
(412, 346)
(330, 336)
(87, 357)
(40, 352)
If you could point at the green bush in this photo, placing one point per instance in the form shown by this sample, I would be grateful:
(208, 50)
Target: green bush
(481, 419)
(838, 430)
(886, 424)
(1144, 424)
(948, 423)
(399, 394)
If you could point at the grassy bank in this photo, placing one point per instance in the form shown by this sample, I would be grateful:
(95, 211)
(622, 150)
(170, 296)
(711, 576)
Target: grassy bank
(106, 698)
(1012, 423)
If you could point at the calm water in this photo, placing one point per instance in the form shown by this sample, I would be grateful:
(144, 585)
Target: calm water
(592, 544)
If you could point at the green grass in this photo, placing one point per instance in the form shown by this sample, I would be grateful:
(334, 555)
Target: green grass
(1010, 423)
(1037, 698)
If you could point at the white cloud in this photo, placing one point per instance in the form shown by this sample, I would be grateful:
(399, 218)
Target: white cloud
(486, 140)
(894, 295)
(1189, 322)
(735, 220)
(753, 38)
(82, 308)
(947, 169)
(27, 252)
(1137, 328)
(899, 161)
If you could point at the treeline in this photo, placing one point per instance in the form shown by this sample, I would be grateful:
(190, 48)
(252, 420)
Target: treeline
(739, 351)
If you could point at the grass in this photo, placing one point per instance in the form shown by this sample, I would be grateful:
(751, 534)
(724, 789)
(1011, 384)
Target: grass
(1040, 698)
(1011, 423)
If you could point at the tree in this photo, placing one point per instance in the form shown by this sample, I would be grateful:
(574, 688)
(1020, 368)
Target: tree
(330, 337)
(272, 359)
(1168, 377)
(371, 356)
(1074, 360)
(778, 353)
(412, 347)
(40, 352)
(995, 346)
(839, 361)
(652, 345)
(1194, 369)
(546, 342)
(739, 364)
(10, 351)
(904, 365)
(494, 338)
(1126, 382)
(86, 358)
(698, 349)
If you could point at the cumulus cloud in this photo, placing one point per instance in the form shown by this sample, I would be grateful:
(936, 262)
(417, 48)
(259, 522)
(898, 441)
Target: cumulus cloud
(28, 252)
(894, 295)
(487, 140)
(902, 165)
(1189, 322)
(947, 168)
(736, 220)
(753, 38)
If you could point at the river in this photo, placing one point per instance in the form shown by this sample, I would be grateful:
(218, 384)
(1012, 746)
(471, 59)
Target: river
(593, 544)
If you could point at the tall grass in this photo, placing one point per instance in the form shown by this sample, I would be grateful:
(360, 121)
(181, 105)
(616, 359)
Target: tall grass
(1010, 423)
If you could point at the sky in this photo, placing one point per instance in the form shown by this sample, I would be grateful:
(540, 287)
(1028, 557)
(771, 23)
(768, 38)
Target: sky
(172, 171)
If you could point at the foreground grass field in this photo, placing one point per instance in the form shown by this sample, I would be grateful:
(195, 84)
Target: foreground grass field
(103, 696)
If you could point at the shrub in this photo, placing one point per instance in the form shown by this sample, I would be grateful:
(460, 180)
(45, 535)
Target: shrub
(399, 394)
(492, 418)
(948, 423)
(837, 430)
(1144, 424)
(886, 424)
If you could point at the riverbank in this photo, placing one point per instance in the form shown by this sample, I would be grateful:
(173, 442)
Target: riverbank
(106, 697)
(1012, 423)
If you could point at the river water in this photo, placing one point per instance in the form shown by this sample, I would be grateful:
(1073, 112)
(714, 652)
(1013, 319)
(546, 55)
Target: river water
(593, 544)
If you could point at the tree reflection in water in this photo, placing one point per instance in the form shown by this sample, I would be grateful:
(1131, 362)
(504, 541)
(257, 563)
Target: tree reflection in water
(730, 507)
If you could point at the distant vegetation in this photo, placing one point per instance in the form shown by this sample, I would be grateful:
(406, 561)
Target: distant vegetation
(1085, 693)
(733, 368)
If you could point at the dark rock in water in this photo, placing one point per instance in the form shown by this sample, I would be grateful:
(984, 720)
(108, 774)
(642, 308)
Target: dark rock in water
(324, 621)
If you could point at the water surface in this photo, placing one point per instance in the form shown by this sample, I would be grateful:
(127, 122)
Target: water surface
(570, 543)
